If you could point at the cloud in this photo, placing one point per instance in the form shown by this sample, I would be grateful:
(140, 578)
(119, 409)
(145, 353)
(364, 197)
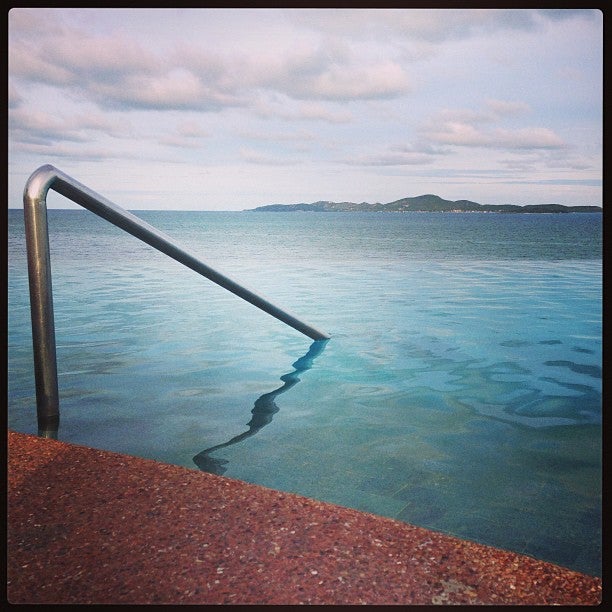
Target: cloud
(315, 70)
(467, 128)
(493, 111)
(45, 128)
(587, 182)
(396, 156)
(553, 160)
(177, 89)
(191, 129)
(505, 107)
(525, 138)
(381, 80)
(71, 152)
(466, 135)
(39, 128)
(334, 72)
(60, 55)
(27, 63)
(428, 25)
(188, 134)
(117, 72)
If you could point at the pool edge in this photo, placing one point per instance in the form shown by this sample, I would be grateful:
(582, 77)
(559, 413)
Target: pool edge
(92, 526)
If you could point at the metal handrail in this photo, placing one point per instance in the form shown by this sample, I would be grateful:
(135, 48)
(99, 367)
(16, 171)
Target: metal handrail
(39, 272)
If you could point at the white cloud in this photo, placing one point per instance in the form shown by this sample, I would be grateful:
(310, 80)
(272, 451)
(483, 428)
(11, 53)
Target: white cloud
(66, 56)
(467, 135)
(40, 126)
(330, 70)
(29, 65)
(177, 89)
(118, 72)
(467, 128)
(525, 138)
(381, 80)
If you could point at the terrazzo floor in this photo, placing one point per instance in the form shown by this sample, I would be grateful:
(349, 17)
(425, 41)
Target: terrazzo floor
(87, 526)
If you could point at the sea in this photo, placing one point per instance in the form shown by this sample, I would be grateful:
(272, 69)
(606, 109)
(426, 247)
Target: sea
(460, 389)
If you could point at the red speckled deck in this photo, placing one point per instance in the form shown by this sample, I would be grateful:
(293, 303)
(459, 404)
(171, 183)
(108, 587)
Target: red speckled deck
(91, 527)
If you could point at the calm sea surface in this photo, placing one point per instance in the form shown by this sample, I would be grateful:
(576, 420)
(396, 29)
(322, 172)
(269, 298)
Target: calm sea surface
(460, 391)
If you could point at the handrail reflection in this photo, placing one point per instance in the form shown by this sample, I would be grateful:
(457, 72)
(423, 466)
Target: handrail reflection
(263, 412)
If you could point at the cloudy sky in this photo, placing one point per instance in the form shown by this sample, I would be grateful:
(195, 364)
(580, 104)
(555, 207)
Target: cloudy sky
(227, 109)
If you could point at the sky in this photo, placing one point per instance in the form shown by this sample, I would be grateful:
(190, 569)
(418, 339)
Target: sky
(229, 109)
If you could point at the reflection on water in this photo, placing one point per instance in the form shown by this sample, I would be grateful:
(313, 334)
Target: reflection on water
(264, 410)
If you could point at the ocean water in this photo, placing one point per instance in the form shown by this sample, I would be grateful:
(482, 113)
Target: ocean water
(460, 390)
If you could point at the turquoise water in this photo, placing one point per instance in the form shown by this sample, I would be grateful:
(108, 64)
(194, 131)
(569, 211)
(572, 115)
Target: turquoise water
(460, 391)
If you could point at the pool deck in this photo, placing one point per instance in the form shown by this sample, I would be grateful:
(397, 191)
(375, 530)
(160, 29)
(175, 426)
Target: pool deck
(93, 527)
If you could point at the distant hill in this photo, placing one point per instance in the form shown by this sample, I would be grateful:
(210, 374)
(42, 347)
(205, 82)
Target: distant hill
(425, 203)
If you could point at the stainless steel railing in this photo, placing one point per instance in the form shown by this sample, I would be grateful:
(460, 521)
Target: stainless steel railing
(39, 271)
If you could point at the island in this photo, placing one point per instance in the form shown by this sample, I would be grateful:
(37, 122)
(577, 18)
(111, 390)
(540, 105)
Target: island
(425, 203)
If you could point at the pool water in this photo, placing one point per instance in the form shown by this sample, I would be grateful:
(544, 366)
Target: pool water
(460, 390)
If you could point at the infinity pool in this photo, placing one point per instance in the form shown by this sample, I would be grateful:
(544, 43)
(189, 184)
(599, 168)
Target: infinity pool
(460, 391)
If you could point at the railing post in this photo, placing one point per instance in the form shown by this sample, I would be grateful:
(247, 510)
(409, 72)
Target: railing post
(41, 305)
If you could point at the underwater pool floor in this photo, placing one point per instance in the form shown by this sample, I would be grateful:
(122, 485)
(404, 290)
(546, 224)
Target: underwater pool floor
(89, 526)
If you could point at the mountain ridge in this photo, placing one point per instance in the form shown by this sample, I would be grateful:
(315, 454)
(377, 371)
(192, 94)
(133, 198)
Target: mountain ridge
(423, 203)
